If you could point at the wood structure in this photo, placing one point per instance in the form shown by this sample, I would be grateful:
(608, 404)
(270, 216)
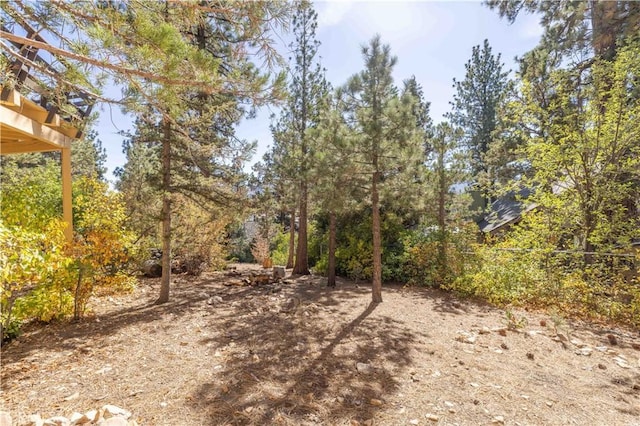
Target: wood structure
(35, 115)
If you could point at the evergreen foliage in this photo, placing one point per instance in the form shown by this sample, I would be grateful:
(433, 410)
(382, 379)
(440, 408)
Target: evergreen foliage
(388, 144)
(476, 103)
(293, 146)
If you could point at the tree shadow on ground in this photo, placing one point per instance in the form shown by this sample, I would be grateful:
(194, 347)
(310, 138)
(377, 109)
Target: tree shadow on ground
(284, 367)
(187, 295)
(449, 303)
(288, 351)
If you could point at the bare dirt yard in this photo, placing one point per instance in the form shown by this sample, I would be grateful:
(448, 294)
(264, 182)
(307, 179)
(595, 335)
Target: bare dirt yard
(297, 353)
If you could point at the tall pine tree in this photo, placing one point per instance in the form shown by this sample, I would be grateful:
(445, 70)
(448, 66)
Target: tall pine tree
(306, 90)
(389, 145)
(475, 105)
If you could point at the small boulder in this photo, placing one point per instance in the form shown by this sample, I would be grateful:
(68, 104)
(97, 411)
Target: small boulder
(5, 419)
(93, 415)
(465, 337)
(214, 300)
(363, 368)
(35, 420)
(152, 268)
(113, 411)
(375, 402)
(586, 351)
(79, 419)
(278, 272)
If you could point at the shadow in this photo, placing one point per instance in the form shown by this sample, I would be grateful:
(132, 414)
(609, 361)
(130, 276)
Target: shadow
(282, 353)
(290, 368)
(187, 295)
(448, 303)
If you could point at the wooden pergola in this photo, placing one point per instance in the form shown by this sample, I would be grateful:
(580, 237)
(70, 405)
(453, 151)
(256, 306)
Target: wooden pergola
(31, 119)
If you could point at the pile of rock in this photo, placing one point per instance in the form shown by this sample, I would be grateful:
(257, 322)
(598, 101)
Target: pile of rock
(108, 415)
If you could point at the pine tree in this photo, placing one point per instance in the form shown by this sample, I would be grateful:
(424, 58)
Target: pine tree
(88, 157)
(475, 105)
(421, 109)
(307, 88)
(595, 29)
(446, 162)
(389, 144)
(282, 174)
(334, 178)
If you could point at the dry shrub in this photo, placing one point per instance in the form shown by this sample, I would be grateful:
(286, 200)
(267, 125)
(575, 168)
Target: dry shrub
(260, 249)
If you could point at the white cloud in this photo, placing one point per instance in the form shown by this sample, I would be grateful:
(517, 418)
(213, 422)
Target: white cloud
(529, 27)
(332, 12)
(400, 23)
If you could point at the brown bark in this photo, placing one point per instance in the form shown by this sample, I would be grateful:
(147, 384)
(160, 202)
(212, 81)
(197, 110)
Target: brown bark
(292, 238)
(166, 215)
(605, 28)
(302, 260)
(331, 272)
(376, 295)
(442, 223)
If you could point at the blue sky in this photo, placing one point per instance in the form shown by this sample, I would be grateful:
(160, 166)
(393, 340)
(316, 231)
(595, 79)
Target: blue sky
(432, 40)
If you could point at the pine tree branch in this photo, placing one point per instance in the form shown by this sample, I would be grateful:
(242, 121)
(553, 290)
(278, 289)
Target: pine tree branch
(105, 65)
(57, 76)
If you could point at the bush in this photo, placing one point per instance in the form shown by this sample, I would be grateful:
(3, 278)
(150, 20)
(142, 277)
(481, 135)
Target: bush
(34, 274)
(280, 248)
(422, 258)
(43, 276)
(199, 237)
(525, 268)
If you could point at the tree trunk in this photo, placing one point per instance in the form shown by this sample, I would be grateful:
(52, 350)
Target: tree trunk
(331, 272)
(376, 295)
(166, 214)
(76, 299)
(292, 238)
(587, 245)
(604, 26)
(442, 223)
(302, 261)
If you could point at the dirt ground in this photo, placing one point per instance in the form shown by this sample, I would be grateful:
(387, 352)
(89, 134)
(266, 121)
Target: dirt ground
(297, 353)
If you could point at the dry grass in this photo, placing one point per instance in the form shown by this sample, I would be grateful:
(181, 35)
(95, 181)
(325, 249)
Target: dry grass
(286, 354)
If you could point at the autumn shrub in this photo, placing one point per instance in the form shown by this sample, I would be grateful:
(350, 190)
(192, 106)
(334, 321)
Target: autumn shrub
(353, 252)
(33, 261)
(33, 273)
(102, 244)
(502, 277)
(526, 268)
(260, 248)
(422, 260)
(199, 237)
(44, 277)
(354, 247)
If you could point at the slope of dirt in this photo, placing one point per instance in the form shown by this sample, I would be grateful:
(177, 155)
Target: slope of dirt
(297, 353)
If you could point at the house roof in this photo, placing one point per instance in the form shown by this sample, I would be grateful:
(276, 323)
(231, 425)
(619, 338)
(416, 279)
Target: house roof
(506, 210)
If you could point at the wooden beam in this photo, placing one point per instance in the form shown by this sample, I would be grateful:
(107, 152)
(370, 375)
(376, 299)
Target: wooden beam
(31, 128)
(67, 207)
(11, 97)
(50, 117)
(27, 146)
